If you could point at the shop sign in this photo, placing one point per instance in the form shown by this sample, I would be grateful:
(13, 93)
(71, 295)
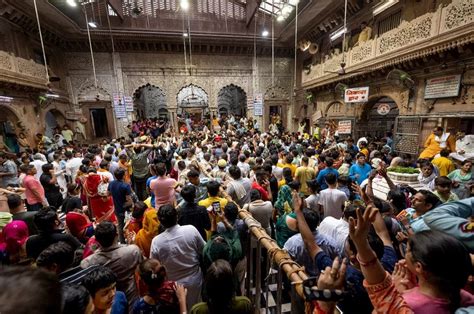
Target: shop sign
(258, 105)
(443, 86)
(128, 103)
(356, 95)
(344, 127)
(383, 109)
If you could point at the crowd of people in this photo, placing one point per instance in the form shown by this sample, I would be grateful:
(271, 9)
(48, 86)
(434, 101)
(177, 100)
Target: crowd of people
(149, 223)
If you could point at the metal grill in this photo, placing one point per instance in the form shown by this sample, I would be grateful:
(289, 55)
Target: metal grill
(407, 134)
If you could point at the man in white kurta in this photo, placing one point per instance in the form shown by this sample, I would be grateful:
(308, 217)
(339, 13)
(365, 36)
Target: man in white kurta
(179, 249)
(464, 147)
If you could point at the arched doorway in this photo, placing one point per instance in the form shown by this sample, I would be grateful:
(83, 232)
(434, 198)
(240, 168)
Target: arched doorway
(276, 101)
(377, 117)
(232, 99)
(8, 129)
(53, 119)
(193, 102)
(151, 102)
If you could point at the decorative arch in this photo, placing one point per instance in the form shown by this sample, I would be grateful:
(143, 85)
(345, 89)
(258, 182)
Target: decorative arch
(192, 97)
(334, 108)
(53, 118)
(151, 101)
(369, 121)
(89, 92)
(232, 99)
(10, 127)
(276, 93)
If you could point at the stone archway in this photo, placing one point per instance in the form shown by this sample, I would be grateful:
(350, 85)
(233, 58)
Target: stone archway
(377, 116)
(193, 101)
(336, 108)
(151, 102)
(276, 101)
(232, 99)
(53, 119)
(10, 127)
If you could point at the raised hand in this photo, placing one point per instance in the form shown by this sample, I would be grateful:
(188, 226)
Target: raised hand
(359, 230)
(402, 277)
(333, 277)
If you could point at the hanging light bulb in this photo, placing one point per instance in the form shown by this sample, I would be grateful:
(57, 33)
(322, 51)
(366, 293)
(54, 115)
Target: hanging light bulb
(72, 3)
(92, 24)
(265, 33)
(184, 4)
(185, 35)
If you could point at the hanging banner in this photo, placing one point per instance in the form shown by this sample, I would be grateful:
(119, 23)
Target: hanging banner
(258, 105)
(128, 103)
(344, 127)
(356, 95)
(443, 86)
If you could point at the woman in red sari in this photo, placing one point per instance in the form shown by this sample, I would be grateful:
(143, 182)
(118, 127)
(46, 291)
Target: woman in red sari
(101, 204)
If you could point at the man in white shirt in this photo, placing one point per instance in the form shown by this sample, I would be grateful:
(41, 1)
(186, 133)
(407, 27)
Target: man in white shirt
(181, 259)
(72, 165)
(331, 200)
(464, 147)
(244, 166)
(38, 163)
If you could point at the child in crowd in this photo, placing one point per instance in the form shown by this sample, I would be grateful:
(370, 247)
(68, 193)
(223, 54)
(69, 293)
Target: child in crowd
(443, 190)
(160, 296)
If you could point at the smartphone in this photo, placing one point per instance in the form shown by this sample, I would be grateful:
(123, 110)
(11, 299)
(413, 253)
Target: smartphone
(216, 207)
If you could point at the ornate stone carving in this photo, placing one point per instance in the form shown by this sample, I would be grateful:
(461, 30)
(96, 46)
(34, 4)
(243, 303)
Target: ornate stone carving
(407, 33)
(277, 93)
(333, 64)
(458, 13)
(362, 52)
(31, 68)
(6, 61)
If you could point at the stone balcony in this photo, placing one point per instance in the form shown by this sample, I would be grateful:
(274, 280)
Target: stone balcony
(426, 35)
(19, 71)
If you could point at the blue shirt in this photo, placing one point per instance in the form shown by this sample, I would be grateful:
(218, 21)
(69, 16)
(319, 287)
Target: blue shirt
(152, 195)
(322, 174)
(358, 300)
(119, 190)
(120, 304)
(362, 171)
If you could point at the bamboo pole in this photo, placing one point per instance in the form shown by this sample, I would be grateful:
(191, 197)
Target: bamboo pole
(294, 271)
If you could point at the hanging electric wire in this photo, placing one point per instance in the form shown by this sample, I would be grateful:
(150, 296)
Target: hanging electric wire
(185, 33)
(190, 48)
(296, 44)
(42, 43)
(273, 46)
(90, 46)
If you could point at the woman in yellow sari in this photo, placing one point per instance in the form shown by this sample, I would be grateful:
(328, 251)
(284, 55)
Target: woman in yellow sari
(148, 232)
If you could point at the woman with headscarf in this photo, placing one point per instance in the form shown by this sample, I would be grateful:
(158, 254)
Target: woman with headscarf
(101, 204)
(148, 232)
(12, 247)
(286, 225)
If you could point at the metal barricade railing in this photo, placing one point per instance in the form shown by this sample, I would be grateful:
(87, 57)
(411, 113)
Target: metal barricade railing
(277, 262)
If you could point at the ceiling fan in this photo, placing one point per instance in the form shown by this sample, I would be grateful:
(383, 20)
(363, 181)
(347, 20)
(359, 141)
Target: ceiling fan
(342, 70)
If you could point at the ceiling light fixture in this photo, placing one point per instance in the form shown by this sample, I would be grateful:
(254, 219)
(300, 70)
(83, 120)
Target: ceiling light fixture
(184, 4)
(6, 99)
(51, 95)
(337, 33)
(384, 6)
(185, 35)
(265, 33)
(92, 24)
(72, 3)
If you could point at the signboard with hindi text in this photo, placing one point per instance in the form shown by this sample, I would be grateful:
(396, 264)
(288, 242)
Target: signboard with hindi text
(356, 95)
(128, 103)
(443, 86)
(258, 105)
(344, 127)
